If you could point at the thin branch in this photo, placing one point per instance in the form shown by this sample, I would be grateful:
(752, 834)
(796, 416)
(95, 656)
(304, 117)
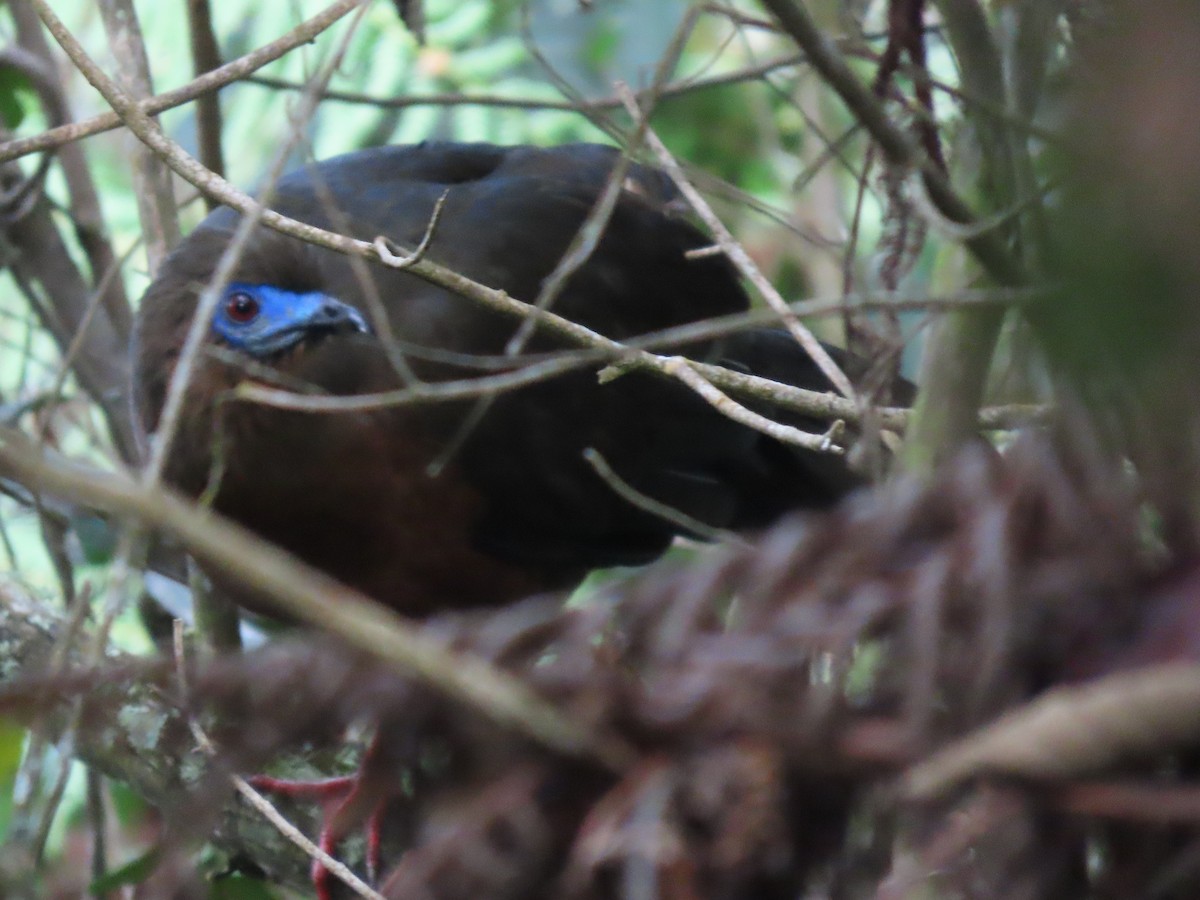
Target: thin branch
(82, 333)
(206, 56)
(818, 405)
(84, 202)
(737, 254)
(894, 142)
(298, 838)
(1131, 801)
(1074, 730)
(257, 801)
(309, 595)
(206, 181)
(655, 507)
(384, 246)
(61, 299)
(583, 242)
(302, 34)
(151, 179)
(960, 350)
(156, 768)
(672, 89)
(693, 375)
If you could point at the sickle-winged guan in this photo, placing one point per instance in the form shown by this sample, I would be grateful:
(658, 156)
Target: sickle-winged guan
(517, 508)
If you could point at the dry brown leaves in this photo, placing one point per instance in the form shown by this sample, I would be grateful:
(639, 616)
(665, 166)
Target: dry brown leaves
(983, 687)
(777, 695)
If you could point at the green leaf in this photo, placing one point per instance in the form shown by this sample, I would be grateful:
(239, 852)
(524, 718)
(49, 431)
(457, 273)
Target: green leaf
(96, 537)
(13, 82)
(135, 871)
(12, 741)
(130, 807)
(240, 887)
(601, 49)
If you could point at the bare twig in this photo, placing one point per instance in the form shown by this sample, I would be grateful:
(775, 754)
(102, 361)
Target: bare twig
(1072, 731)
(895, 143)
(83, 332)
(256, 800)
(61, 299)
(692, 375)
(671, 89)
(151, 179)
(737, 254)
(226, 74)
(668, 513)
(206, 56)
(298, 838)
(383, 245)
(826, 406)
(1131, 801)
(311, 596)
(105, 344)
(582, 245)
(959, 355)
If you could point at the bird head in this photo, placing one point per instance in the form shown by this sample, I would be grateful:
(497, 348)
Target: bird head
(264, 320)
(282, 319)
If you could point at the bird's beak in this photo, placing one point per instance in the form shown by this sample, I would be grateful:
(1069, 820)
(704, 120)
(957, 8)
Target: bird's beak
(306, 316)
(334, 316)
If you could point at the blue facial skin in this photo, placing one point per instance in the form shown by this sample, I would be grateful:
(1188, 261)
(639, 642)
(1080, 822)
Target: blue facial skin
(262, 319)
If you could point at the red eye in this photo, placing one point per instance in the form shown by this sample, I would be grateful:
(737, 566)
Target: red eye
(240, 307)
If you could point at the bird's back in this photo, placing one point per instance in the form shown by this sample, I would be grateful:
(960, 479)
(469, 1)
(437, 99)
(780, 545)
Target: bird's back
(518, 492)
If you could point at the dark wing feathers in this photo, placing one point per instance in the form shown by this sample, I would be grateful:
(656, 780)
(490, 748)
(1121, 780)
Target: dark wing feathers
(509, 215)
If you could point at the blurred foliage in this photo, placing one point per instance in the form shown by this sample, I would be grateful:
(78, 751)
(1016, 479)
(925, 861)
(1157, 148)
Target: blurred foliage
(14, 97)
(755, 136)
(780, 156)
(473, 47)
